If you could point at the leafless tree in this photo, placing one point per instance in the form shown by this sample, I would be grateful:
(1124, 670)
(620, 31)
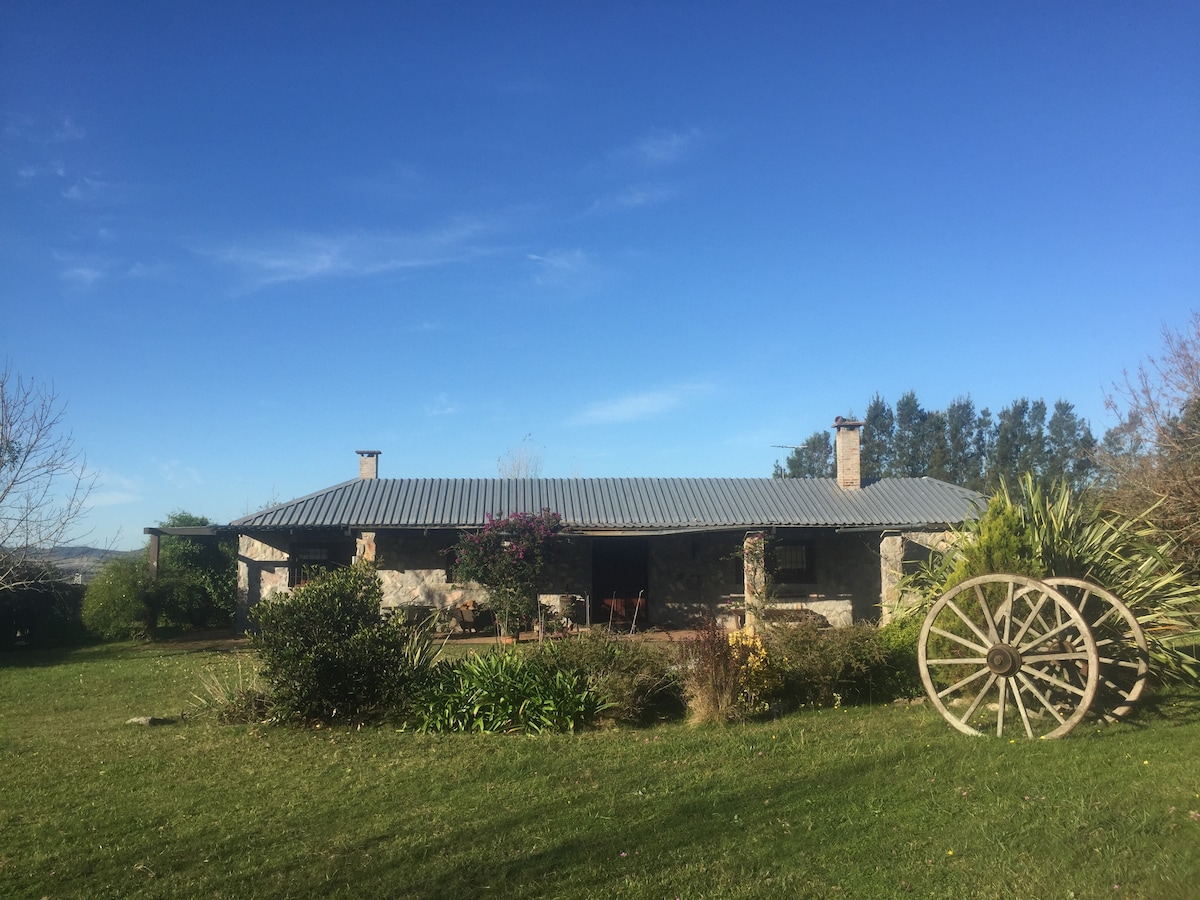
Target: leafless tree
(44, 482)
(1152, 455)
(524, 461)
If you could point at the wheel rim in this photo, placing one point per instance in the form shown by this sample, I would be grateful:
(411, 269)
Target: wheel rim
(1120, 640)
(1007, 653)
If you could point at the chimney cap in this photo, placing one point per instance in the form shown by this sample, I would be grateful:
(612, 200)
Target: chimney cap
(843, 422)
(368, 452)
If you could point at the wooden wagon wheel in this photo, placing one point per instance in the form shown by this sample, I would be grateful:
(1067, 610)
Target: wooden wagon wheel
(1124, 654)
(1010, 649)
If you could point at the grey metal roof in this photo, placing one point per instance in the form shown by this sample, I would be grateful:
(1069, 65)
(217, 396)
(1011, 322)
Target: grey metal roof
(623, 504)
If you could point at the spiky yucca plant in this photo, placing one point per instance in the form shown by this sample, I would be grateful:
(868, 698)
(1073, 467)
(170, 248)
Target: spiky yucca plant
(1055, 532)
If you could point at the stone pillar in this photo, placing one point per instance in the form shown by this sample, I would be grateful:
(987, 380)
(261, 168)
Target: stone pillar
(754, 577)
(364, 547)
(891, 568)
(261, 569)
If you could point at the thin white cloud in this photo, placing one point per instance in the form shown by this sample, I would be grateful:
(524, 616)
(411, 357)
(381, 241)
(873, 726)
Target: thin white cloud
(81, 276)
(569, 261)
(52, 168)
(83, 270)
(634, 198)
(635, 407)
(566, 270)
(114, 490)
(85, 189)
(441, 405)
(662, 147)
(38, 131)
(352, 255)
(68, 130)
(178, 474)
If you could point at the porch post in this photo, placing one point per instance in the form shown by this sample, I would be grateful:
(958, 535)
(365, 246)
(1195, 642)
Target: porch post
(754, 577)
(891, 568)
(154, 552)
(364, 549)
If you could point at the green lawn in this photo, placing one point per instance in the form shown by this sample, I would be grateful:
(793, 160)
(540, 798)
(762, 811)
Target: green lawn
(858, 803)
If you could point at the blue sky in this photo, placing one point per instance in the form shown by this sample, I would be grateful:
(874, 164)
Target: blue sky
(243, 241)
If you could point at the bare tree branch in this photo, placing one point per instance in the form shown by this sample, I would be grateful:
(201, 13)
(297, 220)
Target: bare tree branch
(44, 482)
(1153, 453)
(524, 461)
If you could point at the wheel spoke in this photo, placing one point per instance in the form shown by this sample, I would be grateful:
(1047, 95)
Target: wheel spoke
(1050, 707)
(1022, 710)
(959, 661)
(958, 685)
(989, 619)
(960, 640)
(1057, 682)
(1028, 622)
(967, 621)
(1041, 639)
(979, 697)
(1003, 703)
(1054, 657)
(1009, 611)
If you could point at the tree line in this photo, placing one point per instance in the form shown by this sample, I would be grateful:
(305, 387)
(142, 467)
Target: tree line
(960, 444)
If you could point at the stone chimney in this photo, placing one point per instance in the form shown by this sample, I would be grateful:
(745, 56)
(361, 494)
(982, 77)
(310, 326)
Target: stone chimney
(368, 463)
(846, 449)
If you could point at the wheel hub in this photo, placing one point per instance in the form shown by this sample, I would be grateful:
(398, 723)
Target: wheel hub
(1004, 660)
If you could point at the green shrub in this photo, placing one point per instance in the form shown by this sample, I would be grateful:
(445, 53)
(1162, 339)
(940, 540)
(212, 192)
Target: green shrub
(123, 601)
(199, 575)
(503, 693)
(638, 680)
(328, 654)
(824, 666)
(898, 675)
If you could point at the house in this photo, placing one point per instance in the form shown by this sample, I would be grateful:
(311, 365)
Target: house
(658, 551)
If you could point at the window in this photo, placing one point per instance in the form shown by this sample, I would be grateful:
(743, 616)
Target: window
(793, 563)
(306, 560)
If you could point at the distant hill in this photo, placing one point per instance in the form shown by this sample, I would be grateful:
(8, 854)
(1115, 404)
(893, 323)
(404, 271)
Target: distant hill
(80, 564)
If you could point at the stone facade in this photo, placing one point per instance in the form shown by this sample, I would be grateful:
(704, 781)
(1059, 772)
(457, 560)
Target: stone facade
(262, 569)
(898, 552)
(688, 575)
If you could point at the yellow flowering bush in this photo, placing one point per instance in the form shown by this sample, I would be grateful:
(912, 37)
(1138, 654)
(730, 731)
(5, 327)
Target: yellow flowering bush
(760, 677)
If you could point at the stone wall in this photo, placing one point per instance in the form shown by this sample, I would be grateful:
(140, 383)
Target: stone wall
(262, 568)
(412, 567)
(690, 575)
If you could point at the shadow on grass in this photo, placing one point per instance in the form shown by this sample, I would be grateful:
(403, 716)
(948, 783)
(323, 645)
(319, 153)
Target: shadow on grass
(184, 643)
(496, 855)
(41, 657)
(1176, 704)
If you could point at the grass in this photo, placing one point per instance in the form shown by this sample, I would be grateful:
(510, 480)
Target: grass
(863, 803)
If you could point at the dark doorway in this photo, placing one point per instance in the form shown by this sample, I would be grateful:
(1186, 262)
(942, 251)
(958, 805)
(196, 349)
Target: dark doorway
(620, 581)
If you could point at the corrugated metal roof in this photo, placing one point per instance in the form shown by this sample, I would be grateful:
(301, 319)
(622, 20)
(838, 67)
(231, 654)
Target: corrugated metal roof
(624, 504)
